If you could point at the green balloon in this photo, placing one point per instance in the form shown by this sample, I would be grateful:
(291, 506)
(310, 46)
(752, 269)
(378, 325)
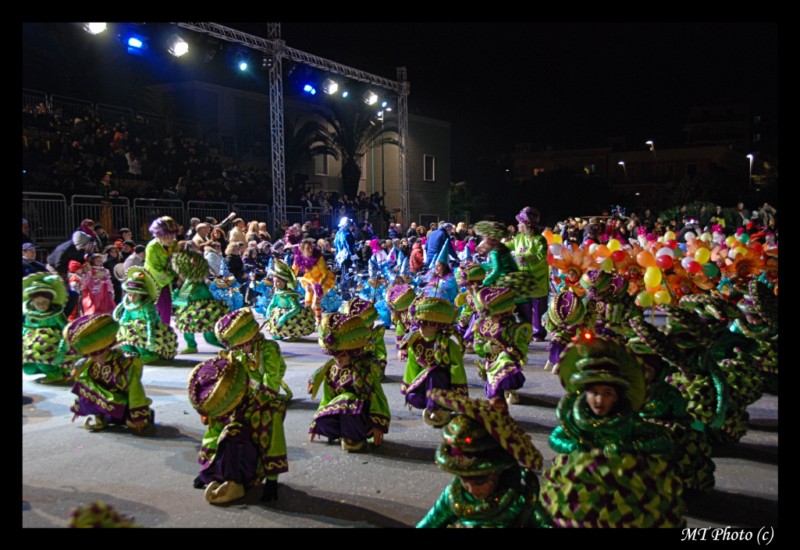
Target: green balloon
(744, 237)
(710, 269)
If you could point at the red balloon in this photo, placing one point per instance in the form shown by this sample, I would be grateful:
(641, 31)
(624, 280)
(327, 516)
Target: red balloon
(672, 243)
(618, 255)
(589, 242)
(693, 267)
(550, 259)
(664, 261)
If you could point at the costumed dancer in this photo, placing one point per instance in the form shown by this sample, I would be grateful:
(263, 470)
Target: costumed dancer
(759, 309)
(263, 287)
(435, 359)
(108, 383)
(315, 277)
(492, 460)
(286, 318)
(469, 276)
(399, 298)
(613, 468)
(141, 331)
(441, 283)
(227, 289)
(502, 343)
(237, 393)
(157, 256)
(366, 310)
(608, 304)
(44, 350)
(564, 319)
(97, 295)
(353, 407)
(529, 249)
(664, 405)
(196, 310)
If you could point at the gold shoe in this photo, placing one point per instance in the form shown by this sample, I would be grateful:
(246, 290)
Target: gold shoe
(352, 446)
(225, 492)
(437, 418)
(94, 423)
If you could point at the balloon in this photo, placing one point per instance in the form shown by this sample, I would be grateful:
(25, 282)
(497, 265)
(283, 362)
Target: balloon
(739, 250)
(607, 265)
(710, 269)
(730, 241)
(555, 249)
(744, 237)
(642, 240)
(645, 259)
(665, 251)
(557, 239)
(644, 299)
(550, 259)
(662, 297)
(618, 255)
(671, 243)
(669, 235)
(702, 255)
(685, 262)
(614, 245)
(706, 237)
(756, 247)
(548, 235)
(652, 277)
(602, 251)
(693, 267)
(589, 242)
(592, 248)
(664, 261)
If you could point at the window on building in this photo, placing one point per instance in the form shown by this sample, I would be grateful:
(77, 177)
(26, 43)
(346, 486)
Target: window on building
(429, 168)
(757, 119)
(538, 171)
(321, 165)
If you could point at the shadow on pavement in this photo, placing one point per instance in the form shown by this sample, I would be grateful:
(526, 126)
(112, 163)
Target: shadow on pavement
(732, 509)
(764, 425)
(402, 451)
(767, 454)
(547, 401)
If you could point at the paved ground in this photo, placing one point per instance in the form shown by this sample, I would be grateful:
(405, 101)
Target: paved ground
(150, 477)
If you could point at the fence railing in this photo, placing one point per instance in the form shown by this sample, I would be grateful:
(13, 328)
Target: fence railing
(48, 216)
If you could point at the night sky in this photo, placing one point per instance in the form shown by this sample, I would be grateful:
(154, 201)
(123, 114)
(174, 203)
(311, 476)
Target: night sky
(551, 84)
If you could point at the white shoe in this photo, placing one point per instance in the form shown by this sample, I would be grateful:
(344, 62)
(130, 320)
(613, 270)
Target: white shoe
(512, 398)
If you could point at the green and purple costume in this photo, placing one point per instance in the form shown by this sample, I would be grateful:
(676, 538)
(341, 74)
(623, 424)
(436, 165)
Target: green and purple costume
(44, 350)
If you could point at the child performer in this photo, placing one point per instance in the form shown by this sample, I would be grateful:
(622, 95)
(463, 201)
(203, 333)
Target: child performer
(286, 318)
(43, 348)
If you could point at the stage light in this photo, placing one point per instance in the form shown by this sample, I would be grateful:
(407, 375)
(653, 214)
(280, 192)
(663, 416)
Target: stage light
(329, 86)
(135, 42)
(370, 98)
(384, 104)
(309, 89)
(345, 93)
(266, 62)
(242, 61)
(94, 28)
(178, 46)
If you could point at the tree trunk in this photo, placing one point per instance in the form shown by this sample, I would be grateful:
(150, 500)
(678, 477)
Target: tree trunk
(351, 174)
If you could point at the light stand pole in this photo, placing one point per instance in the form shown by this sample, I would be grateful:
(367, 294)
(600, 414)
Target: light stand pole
(750, 172)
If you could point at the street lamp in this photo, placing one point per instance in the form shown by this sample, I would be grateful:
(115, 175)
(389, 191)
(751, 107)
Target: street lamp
(750, 173)
(624, 168)
(652, 146)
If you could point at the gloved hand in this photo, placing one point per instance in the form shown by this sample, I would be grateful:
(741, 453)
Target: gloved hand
(270, 490)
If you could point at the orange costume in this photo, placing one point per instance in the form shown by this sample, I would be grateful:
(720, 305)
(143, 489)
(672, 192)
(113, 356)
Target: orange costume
(315, 278)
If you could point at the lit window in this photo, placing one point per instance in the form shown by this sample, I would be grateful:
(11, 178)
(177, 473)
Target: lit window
(429, 168)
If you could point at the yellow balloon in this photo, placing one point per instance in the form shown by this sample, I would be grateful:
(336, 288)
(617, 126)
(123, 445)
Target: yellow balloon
(662, 297)
(669, 235)
(740, 250)
(614, 245)
(607, 265)
(702, 255)
(652, 277)
(731, 241)
(557, 239)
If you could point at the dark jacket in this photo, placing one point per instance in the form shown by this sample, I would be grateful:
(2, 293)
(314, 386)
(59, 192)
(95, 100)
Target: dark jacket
(60, 257)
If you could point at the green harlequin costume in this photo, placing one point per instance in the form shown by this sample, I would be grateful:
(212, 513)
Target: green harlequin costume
(353, 402)
(437, 362)
(141, 330)
(398, 300)
(502, 270)
(195, 309)
(44, 350)
(664, 405)
(717, 353)
(480, 442)
(286, 316)
(608, 304)
(238, 392)
(759, 321)
(366, 310)
(613, 470)
(108, 387)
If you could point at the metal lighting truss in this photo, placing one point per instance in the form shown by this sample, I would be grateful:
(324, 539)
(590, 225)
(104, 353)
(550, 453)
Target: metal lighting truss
(278, 49)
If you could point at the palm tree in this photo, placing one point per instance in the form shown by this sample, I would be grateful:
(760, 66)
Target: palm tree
(353, 130)
(302, 142)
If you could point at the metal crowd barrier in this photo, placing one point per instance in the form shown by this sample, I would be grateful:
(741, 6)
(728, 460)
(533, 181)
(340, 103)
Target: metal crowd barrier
(146, 210)
(48, 217)
(202, 209)
(111, 213)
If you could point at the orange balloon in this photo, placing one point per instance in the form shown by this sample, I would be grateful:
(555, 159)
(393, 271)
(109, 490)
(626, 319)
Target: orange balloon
(646, 259)
(602, 251)
(548, 235)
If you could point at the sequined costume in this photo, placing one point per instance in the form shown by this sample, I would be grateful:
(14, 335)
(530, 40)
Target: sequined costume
(315, 278)
(564, 319)
(44, 350)
(239, 393)
(353, 405)
(398, 299)
(195, 309)
(286, 317)
(608, 304)
(759, 322)
(613, 470)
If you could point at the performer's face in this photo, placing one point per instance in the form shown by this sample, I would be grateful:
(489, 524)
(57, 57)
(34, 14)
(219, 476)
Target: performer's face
(601, 398)
(480, 487)
(41, 303)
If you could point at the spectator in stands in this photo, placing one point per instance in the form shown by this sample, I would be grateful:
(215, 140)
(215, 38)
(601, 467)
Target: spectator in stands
(438, 240)
(127, 249)
(252, 232)
(412, 230)
(263, 234)
(26, 232)
(100, 237)
(193, 222)
(202, 235)
(233, 260)
(237, 234)
(213, 257)
(112, 259)
(29, 263)
(218, 236)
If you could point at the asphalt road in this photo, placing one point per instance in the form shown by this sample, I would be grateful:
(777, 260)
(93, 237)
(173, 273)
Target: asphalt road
(150, 476)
